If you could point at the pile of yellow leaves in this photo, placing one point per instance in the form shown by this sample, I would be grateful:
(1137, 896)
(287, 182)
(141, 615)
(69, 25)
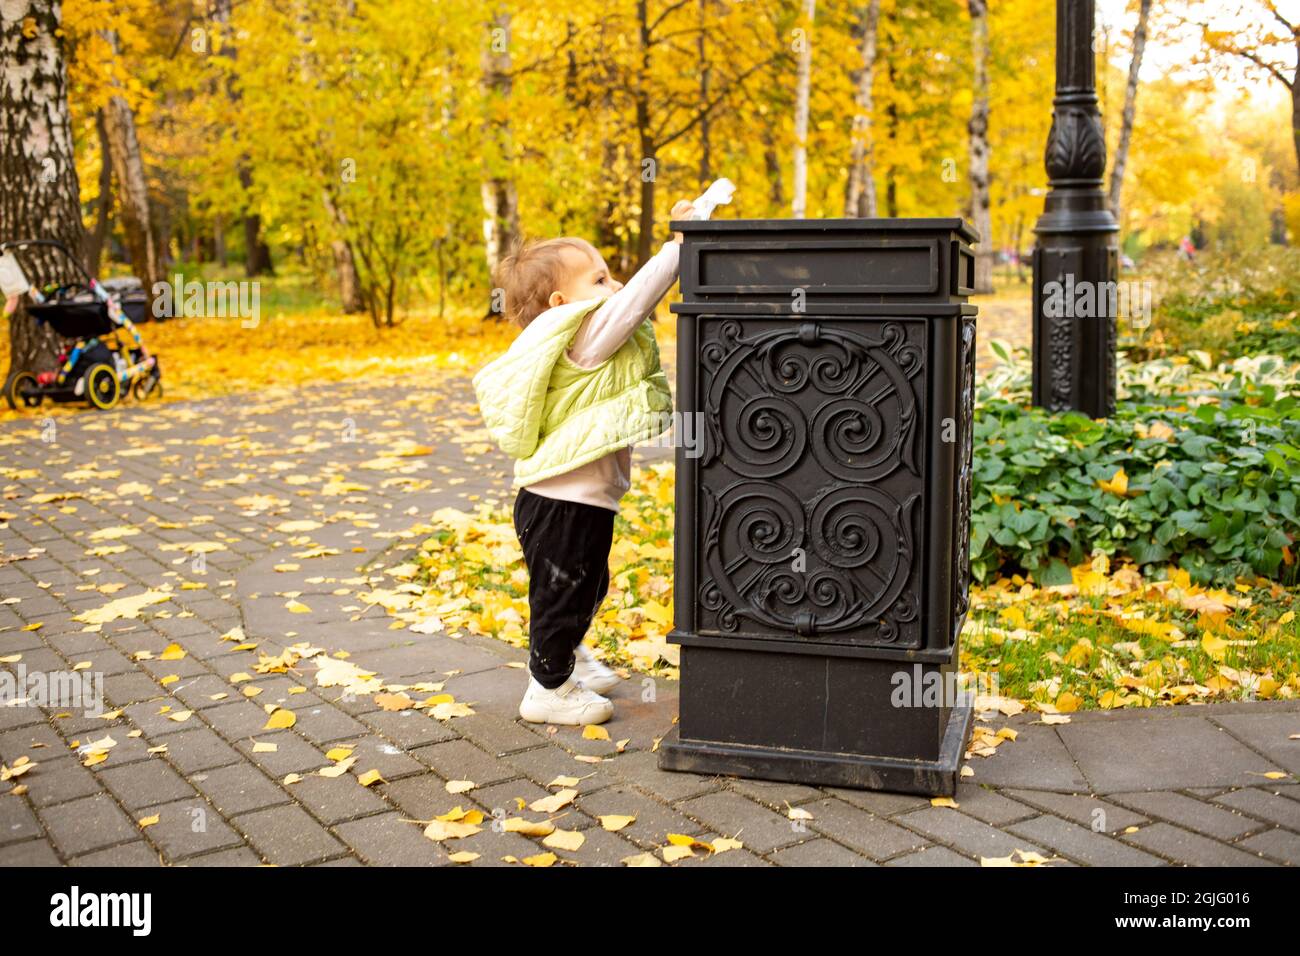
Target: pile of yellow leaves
(1118, 639)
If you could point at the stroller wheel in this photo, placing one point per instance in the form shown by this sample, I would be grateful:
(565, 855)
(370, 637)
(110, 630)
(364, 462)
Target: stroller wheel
(22, 389)
(102, 386)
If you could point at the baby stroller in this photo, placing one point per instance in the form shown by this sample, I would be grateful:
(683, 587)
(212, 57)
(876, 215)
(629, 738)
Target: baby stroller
(100, 366)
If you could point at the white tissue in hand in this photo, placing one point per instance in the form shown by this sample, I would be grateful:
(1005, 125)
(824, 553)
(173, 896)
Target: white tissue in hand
(718, 194)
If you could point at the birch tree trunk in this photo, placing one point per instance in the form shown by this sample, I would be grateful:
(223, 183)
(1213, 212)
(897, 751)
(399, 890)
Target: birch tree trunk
(39, 190)
(799, 207)
(860, 197)
(978, 128)
(500, 199)
(1130, 105)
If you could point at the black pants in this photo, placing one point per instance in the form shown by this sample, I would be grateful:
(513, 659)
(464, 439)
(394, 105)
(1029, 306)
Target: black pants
(566, 549)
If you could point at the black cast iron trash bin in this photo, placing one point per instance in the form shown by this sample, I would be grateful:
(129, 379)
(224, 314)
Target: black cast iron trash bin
(822, 561)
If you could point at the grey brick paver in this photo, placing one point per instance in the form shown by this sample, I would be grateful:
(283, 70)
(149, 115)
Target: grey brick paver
(128, 854)
(860, 830)
(730, 858)
(408, 729)
(35, 742)
(1081, 844)
(779, 796)
(375, 753)
(1154, 753)
(1263, 805)
(130, 688)
(1183, 846)
(238, 856)
(731, 815)
(421, 797)
(966, 834)
(641, 769)
(461, 760)
(1190, 813)
(28, 853)
(653, 823)
(189, 827)
(238, 788)
(145, 784)
(387, 840)
(492, 847)
(59, 781)
(90, 823)
(1081, 809)
(326, 724)
(818, 852)
(879, 803)
(17, 822)
(336, 799)
(287, 836)
(292, 754)
(990, 806)
(200, 749)
(543, 764)
(602, 848)
(238, 720)
(504, 797)
(932, 856)
(1278, 844)
(496, 735)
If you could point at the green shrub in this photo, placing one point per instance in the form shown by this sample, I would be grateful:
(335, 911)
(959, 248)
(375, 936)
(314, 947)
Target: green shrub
(1228, 305)
(1212, 488)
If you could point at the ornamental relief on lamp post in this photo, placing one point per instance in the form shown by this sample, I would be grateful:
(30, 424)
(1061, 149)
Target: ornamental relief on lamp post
(1076, 148)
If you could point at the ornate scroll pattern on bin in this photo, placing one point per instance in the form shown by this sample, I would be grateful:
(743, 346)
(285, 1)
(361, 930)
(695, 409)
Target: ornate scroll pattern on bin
(830, 410)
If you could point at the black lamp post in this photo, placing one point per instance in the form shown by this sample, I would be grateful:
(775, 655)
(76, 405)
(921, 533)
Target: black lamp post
(1076, 256)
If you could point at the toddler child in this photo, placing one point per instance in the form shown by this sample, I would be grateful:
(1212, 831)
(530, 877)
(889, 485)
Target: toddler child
(576, 390)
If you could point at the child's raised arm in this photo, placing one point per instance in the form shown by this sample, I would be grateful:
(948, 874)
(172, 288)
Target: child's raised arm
(605, 330)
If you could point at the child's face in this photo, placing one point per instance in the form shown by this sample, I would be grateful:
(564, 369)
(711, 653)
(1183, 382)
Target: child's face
(585, 277)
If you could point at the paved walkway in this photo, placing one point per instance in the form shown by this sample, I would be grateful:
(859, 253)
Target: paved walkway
(1183, 785)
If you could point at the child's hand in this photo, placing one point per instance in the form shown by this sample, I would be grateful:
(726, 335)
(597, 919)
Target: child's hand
(682, 209)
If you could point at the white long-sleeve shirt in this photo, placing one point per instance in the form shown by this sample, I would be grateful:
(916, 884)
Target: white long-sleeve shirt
(605, 481)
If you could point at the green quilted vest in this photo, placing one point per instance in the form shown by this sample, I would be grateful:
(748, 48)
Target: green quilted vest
(552, 415)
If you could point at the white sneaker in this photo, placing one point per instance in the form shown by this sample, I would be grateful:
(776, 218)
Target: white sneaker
(592, 673)
(571, 703)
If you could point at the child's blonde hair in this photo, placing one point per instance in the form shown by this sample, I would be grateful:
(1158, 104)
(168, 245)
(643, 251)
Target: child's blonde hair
(532, 272)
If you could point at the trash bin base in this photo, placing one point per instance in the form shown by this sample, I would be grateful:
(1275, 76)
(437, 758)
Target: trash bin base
(855, 771)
